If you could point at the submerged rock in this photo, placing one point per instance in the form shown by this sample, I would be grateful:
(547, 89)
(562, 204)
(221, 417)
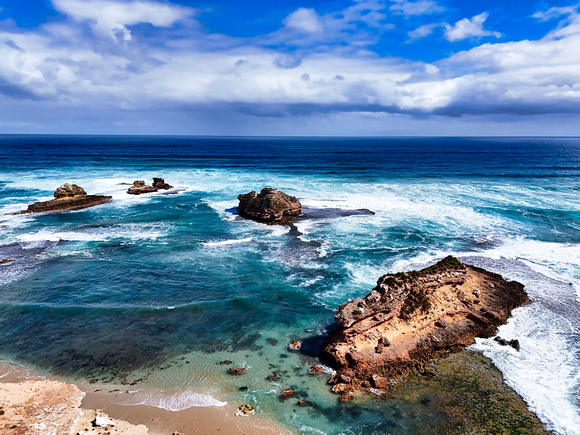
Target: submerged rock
(410, 318)
(295, 345)
(269, 206)
(274, 377)
(237, 370)
(67, 197)
(286, 393)
(315, 370)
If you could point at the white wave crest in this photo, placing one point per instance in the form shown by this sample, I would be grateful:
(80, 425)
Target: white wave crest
(228, 242)
(545, 371)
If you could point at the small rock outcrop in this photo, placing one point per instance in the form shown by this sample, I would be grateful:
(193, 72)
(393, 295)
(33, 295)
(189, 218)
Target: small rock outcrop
(139, 187)
(315, 370)
(245, 410)
(295, 345)
(269, 206)
(286, 393)
(67, 197)
(513, 343)
(410, 318)
(237, 370)
(69, 191)
(159, 183)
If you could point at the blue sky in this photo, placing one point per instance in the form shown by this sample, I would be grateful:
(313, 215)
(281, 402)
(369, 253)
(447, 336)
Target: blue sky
(291, 67)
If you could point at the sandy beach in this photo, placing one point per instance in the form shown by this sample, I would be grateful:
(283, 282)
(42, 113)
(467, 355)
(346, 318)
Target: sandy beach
(33, 404)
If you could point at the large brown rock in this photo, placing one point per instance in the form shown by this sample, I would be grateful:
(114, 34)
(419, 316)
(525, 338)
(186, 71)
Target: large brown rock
(410, 318)
(68, 197)
(68, 191)
(139, 187)
(269, 206)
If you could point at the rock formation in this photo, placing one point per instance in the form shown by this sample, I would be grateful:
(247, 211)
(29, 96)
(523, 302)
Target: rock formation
(269, 206)
(286, 393)
(53, 408)
(237, 370)
(67, 197)
(295, 345)
(159, 183)
(410, 318)
(139, 187)
(245, 410)
(69, 191)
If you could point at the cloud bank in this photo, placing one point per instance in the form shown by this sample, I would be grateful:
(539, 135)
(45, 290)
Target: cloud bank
(99, 59)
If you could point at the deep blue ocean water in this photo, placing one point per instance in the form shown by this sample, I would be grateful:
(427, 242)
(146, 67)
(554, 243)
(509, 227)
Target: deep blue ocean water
(161, 289)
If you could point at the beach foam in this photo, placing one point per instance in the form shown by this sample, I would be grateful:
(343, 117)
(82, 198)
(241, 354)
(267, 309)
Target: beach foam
(171, 401)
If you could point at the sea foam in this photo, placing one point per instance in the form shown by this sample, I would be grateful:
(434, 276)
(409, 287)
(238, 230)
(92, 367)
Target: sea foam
(171, 401)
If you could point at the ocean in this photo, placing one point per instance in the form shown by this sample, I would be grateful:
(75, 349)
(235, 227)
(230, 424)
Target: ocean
(161, 293)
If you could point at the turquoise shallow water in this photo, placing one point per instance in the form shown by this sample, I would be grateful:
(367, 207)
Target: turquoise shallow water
(159, 290)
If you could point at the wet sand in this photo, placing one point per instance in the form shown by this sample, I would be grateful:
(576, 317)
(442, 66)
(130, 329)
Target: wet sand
(195, 420)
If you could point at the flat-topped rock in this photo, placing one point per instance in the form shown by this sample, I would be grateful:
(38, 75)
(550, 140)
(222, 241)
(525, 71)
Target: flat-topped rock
(269, 206)
(410, 318)
(67, 197)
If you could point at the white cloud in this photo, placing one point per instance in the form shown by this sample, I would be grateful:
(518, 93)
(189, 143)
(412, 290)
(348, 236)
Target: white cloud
(467, 28)
(555, 12)
(56, 65)
(110, 18)
(417, 7)
(357, 25)
(304, 20)
(422, 31)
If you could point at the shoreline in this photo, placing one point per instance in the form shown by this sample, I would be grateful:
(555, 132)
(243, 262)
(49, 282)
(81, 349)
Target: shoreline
(159, 421)
(465, 387)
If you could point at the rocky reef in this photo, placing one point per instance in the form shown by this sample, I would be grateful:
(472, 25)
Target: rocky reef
(67, 197)
(139, 187)
(410, 318)
(270, 206)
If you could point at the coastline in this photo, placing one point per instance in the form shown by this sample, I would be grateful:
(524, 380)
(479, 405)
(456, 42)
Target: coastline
(158, 421)
(467, 389)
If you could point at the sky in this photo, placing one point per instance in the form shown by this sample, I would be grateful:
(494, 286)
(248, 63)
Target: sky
(290, 67)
